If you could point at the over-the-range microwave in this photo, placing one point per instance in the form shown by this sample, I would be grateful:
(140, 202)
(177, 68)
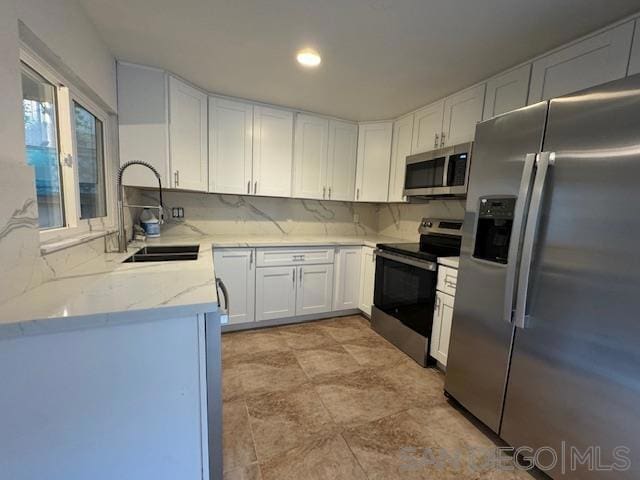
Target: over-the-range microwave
(439, 172)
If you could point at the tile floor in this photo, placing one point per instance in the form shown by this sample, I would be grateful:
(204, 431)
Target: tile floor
(333, 400)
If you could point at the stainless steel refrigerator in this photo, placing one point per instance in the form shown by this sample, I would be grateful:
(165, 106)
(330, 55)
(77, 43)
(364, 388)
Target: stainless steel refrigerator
(545, 345)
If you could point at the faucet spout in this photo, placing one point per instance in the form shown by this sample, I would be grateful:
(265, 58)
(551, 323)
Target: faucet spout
(122, 234)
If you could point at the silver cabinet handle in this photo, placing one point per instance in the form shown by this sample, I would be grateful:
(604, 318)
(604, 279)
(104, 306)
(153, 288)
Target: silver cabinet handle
(300, 275)
(435, 142)
(324, 192)
(176, 177)
(442, 136)
(255, 188)
(225, 294)
(516, 235)
(545, 159)
(357, 193)
(293, 277)
(250, 258)
(329, 192)
(249, 186)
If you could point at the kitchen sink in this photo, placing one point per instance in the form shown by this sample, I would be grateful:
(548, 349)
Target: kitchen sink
(165, 253)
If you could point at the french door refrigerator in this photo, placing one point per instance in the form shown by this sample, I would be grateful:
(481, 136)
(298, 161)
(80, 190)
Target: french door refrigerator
(545, 345)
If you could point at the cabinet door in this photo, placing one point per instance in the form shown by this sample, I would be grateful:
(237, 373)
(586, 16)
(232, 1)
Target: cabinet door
(374, 158)
(441, 330)
(402, 138)
(230, 146)
(427, 127)
(343, 145)
(462, 112)
(346, 292)
(598, 59)
(315, 289)
(188, 136)
(275, 292)
(507, 92)
(310, 157)
(236, 268)
(634, 63)
(367, 279)
(143, 123)
(272, 151)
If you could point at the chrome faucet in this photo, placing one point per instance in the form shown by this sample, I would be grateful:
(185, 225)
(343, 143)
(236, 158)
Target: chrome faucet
(122, 234)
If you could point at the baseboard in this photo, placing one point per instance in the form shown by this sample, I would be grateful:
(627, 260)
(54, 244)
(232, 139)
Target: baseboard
(289, 320)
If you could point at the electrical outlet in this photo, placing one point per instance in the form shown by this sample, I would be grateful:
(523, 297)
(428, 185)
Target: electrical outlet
(177, 212)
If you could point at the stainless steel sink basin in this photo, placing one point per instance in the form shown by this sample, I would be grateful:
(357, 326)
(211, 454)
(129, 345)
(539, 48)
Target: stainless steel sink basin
(167, 253)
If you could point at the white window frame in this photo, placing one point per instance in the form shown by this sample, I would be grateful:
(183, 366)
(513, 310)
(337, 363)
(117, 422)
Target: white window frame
(67, 94)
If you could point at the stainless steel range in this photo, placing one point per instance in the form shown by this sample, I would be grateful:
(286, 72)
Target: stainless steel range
(405, 286)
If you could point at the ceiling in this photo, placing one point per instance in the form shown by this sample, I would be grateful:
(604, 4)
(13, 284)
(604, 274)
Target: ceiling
(380, 58)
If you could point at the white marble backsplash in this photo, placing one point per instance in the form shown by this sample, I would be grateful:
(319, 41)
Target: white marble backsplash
(402, 220)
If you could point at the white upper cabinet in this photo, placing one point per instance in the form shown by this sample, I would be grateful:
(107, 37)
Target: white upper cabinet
(142, 123)
(596, 60)
(462, 112)
(427, 127)
(272, 151)
(401, 147)
(507, 91)
(341, 162)
(310, 157)
(374, 157)
(188, 136)
(230, 146)
(634, 63)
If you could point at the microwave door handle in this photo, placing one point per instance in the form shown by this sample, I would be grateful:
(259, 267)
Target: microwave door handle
(545, 159)
(519, 214)
(445, 173)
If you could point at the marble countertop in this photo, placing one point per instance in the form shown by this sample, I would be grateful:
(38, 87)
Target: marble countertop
(106, 291)
(453, 262)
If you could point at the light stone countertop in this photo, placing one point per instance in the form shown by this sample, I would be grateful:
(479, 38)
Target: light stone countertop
(453, 262)
(105, 291)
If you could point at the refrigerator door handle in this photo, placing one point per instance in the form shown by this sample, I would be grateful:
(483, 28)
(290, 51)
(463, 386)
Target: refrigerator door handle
(516, 235)
(545, 159)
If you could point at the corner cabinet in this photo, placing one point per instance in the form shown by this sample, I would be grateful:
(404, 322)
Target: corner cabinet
(401, 147)
(236, 268)
(367, 279)
(507, 91)
(374, 157)
(188, 136)
(230, 146)
(596, 60)
(143, 120)
(272, 151)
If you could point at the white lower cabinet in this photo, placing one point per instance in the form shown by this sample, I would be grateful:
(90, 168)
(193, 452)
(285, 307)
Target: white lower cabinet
(441, 330)
(236, 268)
(314, 291)
(346, 293)
(275, 292)
(367, 279)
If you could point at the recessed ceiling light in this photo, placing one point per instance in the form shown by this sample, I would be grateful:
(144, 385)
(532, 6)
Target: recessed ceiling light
(308, 58)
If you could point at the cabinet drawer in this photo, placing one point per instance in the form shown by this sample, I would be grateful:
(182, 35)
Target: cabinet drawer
(272, 257)
(447, 279)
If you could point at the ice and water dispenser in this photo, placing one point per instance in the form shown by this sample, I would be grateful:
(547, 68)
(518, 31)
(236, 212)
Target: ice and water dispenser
(493, 232)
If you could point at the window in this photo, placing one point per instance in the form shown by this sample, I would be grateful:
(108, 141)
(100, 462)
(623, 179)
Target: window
(66, 140)
(90, 156)
(43, 154)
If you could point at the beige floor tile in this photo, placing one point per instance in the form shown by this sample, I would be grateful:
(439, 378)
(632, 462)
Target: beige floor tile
(358, 397)
(249, 472)
(347, 328)
(237, 441)
(374, 351)
(325, 458)
(283, 420)
(254, 341)
(423, 387)
(268, 372)
(308, 335)
(326, 359)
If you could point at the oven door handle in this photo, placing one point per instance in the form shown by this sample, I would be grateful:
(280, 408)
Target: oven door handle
(424, 265)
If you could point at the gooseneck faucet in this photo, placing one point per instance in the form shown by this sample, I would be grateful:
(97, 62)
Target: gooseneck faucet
(122, 234)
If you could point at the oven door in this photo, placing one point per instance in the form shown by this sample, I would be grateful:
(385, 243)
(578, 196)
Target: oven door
(405, 289)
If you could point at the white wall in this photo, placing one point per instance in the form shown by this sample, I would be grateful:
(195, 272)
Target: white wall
(65, 30)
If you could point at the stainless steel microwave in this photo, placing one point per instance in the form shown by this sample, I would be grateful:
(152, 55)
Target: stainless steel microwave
(439, 172)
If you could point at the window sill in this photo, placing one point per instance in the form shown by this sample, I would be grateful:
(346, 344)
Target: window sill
(60, 244)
